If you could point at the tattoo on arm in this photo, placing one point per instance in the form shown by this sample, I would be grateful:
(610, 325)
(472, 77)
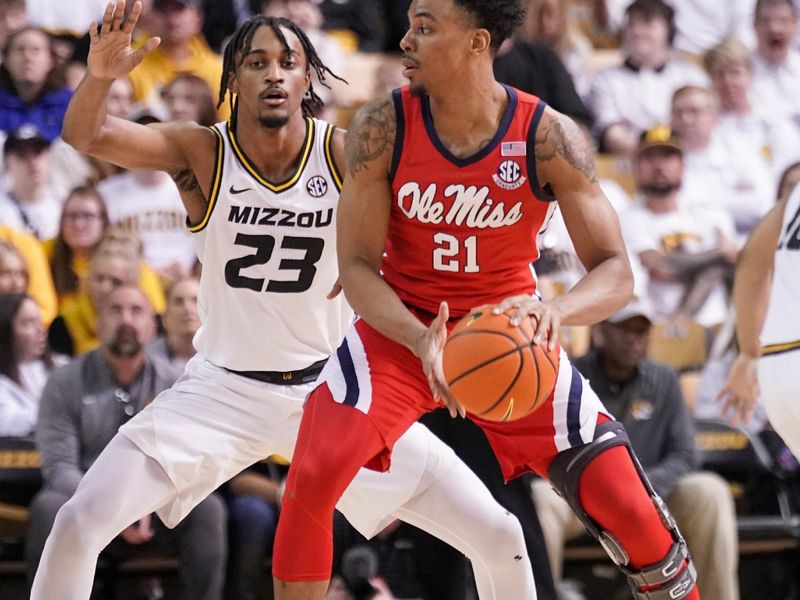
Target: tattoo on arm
(371, 134)
(185, 180)
(561, 137)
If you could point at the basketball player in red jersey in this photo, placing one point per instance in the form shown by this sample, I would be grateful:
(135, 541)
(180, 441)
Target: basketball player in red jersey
(448, 183)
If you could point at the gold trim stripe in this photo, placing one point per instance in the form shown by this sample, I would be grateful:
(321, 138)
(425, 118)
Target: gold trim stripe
(778, 348)
(275, 187)
(337, 178)
(216, 181)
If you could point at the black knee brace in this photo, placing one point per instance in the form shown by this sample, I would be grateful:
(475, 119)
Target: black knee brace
(671, 579)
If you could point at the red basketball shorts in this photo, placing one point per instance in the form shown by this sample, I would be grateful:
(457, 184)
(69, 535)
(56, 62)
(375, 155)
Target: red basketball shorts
(385, 381)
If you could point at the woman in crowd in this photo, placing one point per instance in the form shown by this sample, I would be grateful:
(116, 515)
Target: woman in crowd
(84, 224)
(13, 272)
(25, 363)
(188, 98)
(32, 89)
(548, 21)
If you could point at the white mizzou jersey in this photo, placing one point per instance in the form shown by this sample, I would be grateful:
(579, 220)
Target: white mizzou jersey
(269, 258)
(781, 331)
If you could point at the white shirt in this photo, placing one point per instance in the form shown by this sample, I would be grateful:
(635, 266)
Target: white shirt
(59, 15)
(776, 88)
(737, 180)
(39, 218)
(68, 168)
(702, 24)
(641, 98)
(154, 213)
(694, 229)
(19, 404)
(777, 138)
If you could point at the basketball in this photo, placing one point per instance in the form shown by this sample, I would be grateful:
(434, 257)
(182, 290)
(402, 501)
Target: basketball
(494, 370)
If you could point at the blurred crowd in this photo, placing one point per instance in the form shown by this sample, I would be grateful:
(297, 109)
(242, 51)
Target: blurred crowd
(693, 106)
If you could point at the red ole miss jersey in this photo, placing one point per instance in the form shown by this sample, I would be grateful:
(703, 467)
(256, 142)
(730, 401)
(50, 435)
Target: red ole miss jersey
(464, 229)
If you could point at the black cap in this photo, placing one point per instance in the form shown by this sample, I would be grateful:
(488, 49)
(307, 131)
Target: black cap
(27, 136)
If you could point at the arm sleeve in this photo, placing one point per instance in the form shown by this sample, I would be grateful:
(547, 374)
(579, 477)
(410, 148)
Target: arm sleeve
(57, 437)
(680, 454)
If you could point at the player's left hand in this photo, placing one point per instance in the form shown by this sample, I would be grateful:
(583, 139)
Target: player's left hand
(428, 349)
(740, 392)
(547, 318)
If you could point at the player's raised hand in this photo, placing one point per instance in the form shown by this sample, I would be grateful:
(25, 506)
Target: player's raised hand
(110, 52)
(429, 349)
(740, 393)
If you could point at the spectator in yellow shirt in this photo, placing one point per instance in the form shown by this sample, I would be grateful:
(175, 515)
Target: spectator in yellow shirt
(37, 271)
(116, 262)
(182, 50)
(84, 223)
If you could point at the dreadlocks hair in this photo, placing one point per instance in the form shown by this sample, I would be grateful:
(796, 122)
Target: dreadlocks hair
(499, 17)
(240, 44)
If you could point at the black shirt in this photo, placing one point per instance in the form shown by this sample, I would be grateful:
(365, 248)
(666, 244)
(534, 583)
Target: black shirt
(535, 68)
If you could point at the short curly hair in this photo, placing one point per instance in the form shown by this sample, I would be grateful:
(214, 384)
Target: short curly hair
(499, 17)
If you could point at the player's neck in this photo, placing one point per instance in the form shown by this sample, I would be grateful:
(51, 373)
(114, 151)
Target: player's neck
(468, 115)
(274, 152)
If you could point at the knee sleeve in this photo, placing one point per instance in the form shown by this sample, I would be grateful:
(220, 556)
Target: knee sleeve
(322, 467)
(671, 578)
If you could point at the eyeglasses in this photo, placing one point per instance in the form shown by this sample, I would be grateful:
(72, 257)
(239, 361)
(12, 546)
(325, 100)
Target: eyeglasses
(124, 398)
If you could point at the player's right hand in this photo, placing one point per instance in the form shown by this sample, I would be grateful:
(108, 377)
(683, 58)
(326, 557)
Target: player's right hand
(429, 349)
(110, 52)
(740, 393)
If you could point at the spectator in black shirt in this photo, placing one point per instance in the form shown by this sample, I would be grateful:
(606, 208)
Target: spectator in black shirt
(535, 68)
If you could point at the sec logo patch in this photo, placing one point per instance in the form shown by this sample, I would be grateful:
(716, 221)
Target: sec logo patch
(509, 175)
(317, 186)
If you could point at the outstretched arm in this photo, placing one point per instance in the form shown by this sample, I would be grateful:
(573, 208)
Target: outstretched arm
(362, 226)
(750, 299)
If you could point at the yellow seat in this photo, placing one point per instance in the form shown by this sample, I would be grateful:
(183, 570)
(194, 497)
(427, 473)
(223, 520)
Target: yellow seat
(617, 169)
(682, 345)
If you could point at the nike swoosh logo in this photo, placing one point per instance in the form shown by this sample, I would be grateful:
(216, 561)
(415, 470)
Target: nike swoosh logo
(234, 191)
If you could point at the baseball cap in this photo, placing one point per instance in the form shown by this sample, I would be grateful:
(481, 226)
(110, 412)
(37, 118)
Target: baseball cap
(638, 307)
(26, 136)
(660, 136)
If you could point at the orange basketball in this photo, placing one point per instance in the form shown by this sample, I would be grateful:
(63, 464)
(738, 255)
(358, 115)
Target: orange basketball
(494, 370)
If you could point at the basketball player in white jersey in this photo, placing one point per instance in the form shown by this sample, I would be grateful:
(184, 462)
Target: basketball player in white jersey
(766, 295)
(266, 239)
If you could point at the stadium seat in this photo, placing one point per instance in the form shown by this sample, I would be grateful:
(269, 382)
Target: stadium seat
(20, 479)
(766, 517)
(681, 345)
